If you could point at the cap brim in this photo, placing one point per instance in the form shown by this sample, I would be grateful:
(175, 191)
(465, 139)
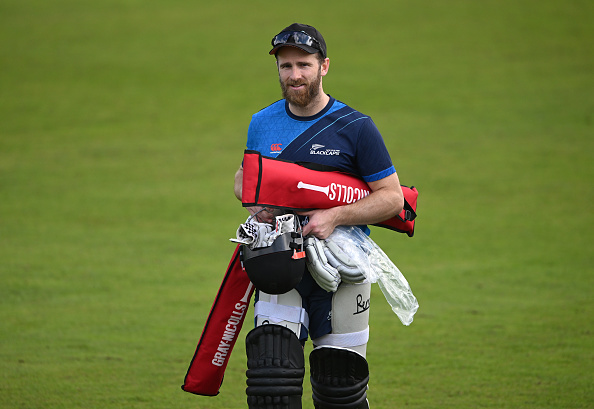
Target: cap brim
(303, 47)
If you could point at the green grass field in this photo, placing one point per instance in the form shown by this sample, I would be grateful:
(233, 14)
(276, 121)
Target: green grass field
(122, 123)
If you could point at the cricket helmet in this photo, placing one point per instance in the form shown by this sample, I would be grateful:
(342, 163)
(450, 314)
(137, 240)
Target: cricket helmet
(278, 268)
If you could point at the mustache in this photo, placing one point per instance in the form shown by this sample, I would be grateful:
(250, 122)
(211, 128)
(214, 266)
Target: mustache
(295, 83)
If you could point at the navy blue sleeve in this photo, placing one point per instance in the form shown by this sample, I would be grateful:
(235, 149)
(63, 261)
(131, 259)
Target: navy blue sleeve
(373, 160)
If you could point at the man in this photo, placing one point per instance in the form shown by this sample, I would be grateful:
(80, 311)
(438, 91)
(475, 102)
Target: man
(337, 321)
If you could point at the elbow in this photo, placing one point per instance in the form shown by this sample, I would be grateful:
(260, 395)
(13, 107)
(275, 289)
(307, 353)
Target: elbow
(237, 191)
(393, 205)
(398, 202)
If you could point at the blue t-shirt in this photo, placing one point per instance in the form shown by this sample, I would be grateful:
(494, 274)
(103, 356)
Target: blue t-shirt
(338, 136)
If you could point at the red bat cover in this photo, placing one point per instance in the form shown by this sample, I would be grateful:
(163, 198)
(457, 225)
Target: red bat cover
(221, 330)
(273, 182)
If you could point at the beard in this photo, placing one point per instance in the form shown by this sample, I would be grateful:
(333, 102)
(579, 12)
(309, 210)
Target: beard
(304, 97)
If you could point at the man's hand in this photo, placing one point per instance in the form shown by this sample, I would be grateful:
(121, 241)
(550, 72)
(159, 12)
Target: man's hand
(263, 214)
(322, 222)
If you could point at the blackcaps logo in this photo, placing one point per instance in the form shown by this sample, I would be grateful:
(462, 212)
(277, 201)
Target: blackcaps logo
(317, 149)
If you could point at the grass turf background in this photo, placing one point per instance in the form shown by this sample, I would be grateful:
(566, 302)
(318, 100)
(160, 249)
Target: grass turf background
(123, 122)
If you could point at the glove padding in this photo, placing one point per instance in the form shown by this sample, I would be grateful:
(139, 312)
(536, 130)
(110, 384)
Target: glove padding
(329, 265)
(323, 273)
(348, 269)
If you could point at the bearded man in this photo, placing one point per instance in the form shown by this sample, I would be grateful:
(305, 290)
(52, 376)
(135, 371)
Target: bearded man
(335, 321)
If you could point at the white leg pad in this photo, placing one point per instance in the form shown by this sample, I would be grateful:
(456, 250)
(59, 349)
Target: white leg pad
(282, 309)
(350, 319)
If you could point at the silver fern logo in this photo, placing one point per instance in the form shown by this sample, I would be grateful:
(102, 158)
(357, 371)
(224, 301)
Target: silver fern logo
(317, 149)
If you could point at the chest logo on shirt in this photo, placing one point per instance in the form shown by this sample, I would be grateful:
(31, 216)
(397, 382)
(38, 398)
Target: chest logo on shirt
(317, 149)
(276, 147)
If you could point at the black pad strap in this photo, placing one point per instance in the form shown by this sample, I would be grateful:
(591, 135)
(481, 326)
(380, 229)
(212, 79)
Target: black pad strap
(276, 367)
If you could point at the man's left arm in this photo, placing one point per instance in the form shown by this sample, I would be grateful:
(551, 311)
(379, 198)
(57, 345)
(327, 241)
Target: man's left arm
(385, 201)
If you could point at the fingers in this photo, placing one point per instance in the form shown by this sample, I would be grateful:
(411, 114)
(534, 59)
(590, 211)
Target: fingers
(320, 233)
(306, 229)
(263, 214)
(265, 217)
(321, 223)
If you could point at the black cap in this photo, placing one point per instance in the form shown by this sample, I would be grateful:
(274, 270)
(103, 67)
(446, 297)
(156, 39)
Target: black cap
(318, 45)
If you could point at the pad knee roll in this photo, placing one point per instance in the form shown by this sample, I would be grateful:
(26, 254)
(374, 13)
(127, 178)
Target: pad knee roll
(276, 367)
(339, 378)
